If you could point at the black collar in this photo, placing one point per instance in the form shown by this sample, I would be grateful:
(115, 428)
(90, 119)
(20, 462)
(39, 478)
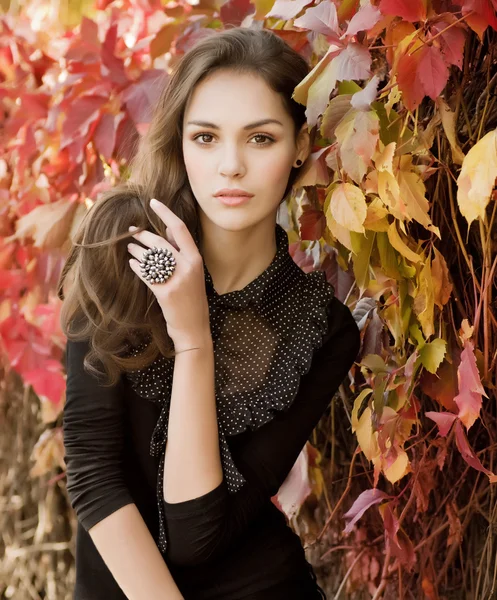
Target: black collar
(257, 292)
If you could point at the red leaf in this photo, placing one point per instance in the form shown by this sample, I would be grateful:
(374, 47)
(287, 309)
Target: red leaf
(468, 454)
(398, 542)
(114, 65)
(104, 136)
(234, 11)
(47, 380)
(34, 106)
(103, 4)
(294, 39)
(142, 95)
(81, 115)
(391, 523)
(432, 71)
(404, 551)
(451, 41)
(485, 13)
(442, 386)
(364, 501)
(409, 10)
(312, 224)
(444, 421)
(88, 32)
(469, 398)
(408, 79)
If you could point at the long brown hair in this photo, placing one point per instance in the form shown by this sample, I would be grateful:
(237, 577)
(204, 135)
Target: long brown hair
(104, 301)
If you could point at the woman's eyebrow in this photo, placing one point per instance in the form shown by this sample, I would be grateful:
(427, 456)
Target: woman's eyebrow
(247, 127)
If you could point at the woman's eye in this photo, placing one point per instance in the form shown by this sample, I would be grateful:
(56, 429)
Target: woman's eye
(202, 135)
(269, 139)
(261, 135)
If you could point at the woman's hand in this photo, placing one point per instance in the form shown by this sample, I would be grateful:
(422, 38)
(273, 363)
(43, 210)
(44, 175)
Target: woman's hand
(182, 297)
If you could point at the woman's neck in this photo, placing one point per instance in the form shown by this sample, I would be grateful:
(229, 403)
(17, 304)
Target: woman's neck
(235, 258)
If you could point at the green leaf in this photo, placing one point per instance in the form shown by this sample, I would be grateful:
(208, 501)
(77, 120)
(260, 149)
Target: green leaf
(361, 261)
(374, 363)
(432, 354)
(348, 87)
(417, 336)
(388, 256)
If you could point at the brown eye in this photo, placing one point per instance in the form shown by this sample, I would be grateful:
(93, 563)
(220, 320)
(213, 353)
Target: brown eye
(269, 139)
(202, 135)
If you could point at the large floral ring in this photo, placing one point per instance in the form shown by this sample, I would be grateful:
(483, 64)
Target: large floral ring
(157, 265)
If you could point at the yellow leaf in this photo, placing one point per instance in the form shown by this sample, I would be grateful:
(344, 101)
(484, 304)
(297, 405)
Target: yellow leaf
(442, 287)
(400, 246)
(477, 178)
(399, 468)
(389, 192)
(383, 159)
(366, 437)
(348, 207)
(357, 135)
(48, 224)
(376, 217)
(412, 190)
(319, 92)
(357, 405)
(300, 93)
(338, 107)
(424, 301)
(339, 233)
(392, 317)
(346, 9)
(394, 96)
(262, 7)
(449, 125)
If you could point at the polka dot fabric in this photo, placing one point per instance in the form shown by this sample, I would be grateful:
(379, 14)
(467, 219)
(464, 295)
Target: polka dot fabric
(264, 337)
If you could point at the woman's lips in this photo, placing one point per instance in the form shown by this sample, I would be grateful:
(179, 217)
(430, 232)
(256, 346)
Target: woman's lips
(233, 200)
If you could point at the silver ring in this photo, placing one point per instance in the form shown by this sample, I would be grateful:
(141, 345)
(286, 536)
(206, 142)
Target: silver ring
(157, 265)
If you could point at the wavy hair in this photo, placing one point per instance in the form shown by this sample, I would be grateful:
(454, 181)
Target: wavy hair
(103, 299)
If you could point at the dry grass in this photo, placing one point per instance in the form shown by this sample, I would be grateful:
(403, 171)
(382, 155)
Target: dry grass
(36, 547)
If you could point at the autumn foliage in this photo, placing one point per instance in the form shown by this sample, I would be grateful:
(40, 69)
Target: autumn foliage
(396, 204)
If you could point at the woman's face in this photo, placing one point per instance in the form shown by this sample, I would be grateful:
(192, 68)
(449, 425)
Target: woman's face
(222, 148)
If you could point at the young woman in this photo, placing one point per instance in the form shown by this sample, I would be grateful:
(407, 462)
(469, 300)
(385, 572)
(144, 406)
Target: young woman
(220, 355)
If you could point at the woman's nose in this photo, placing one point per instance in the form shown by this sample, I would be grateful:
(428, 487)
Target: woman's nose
(231, 161)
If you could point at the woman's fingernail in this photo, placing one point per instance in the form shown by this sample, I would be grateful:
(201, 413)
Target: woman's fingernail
(154, 202)
(132, 228)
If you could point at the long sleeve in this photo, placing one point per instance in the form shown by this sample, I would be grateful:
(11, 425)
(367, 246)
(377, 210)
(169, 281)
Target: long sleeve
(93, 441)
(202, 528)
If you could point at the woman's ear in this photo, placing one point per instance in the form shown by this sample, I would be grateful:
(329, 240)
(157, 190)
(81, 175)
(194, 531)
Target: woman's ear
(303, 144)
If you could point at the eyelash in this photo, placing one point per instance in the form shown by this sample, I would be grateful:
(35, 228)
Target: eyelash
(268, 137)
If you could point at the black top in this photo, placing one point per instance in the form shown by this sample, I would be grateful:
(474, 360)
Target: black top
(282, 347)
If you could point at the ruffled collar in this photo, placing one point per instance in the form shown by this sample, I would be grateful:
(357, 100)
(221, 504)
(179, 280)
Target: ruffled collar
(256, 292)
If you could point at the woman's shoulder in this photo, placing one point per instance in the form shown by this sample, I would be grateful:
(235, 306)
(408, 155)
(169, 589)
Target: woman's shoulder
(342, 327)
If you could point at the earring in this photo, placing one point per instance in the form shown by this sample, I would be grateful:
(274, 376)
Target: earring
(299, 162)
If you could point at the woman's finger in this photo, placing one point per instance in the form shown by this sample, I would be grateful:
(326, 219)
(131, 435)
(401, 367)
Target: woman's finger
(138, 253)
(149, 239)
(182, 236)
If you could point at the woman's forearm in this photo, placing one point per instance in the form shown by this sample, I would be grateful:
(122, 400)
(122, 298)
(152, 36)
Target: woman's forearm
(192, 464)
(131, 555)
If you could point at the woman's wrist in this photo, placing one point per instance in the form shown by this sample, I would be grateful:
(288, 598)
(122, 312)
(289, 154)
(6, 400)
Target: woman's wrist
(196, 341)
